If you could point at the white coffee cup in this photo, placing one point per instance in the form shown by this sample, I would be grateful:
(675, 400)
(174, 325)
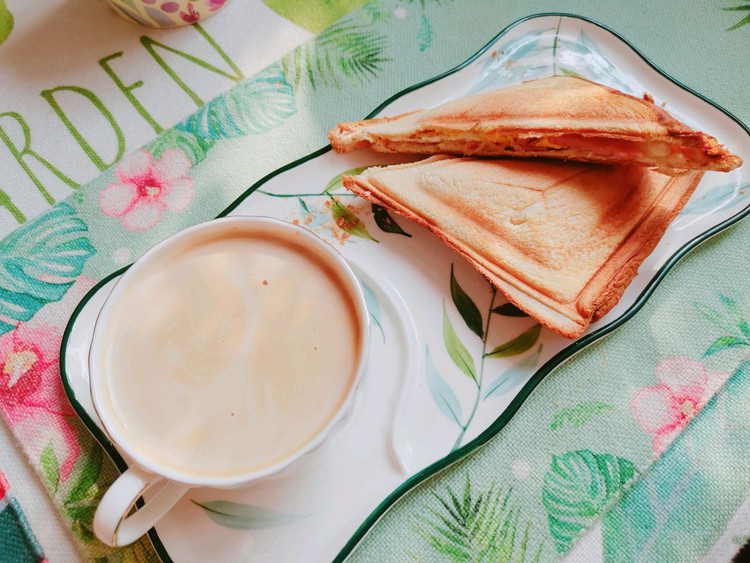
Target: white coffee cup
(186, 358)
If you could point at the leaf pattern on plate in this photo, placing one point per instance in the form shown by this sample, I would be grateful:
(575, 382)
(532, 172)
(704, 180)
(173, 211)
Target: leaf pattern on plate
(456, 349)
(514, 375)
(518, 345)
(441, 392)
(239, 516)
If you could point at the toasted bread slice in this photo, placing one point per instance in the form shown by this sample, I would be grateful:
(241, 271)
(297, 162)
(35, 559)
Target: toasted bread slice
(559, 117)
(561, 240)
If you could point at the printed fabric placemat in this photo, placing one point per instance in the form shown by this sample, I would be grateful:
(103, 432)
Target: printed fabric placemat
(636, 448)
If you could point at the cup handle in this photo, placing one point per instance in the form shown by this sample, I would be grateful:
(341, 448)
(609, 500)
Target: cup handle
(113, 526)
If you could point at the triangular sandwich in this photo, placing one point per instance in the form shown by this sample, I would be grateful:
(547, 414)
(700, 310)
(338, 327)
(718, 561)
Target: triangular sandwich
(559, 117)
(561, 240)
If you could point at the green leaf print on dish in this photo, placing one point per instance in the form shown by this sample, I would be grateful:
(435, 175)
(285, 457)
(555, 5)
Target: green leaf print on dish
(385, 222)
(466, 307)
(509, 310)
(347, 221)
(471, 528)
(714, 199)
(349, 50)
(456, 349)
(513, 376)
(518, 345)
(239, 516)
(254, 106)
(579, 415)
(373, 308)
(39, 262)
(441, 392)
(6, 22)
(464, 361)
(578, 487)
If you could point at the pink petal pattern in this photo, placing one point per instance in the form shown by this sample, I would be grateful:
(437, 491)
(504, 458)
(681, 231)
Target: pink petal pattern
(147, 188)
(685, 377)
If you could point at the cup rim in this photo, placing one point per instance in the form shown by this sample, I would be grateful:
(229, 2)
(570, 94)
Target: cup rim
(353, 287)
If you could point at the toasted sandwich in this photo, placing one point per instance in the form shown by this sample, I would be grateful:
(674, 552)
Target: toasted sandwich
(561, 117)
(561, 240)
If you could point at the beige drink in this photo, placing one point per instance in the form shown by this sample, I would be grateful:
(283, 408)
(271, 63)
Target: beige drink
(230, 353)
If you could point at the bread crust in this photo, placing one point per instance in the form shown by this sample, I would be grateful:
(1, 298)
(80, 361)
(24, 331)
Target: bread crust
(567, 314)
(562, 117)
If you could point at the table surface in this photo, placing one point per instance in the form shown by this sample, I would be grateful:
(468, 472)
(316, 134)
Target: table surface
(80, 88)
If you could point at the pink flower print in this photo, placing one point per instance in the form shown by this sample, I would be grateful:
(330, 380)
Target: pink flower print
(31, 393)
(685, 386)
(192, 16)
(214, 5)
(147, 188)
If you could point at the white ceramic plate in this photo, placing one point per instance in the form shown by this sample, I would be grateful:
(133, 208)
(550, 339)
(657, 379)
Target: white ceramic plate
(417, 411)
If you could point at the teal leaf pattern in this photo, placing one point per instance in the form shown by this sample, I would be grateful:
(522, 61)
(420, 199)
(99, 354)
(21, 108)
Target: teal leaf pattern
(578, 487)
(441, 392)
(252, 107)
(513, 376)
(579, 415)
(723, 343)
(517, 345)
(424, 34)
(240, 516)
(456, 349)
(373, 307)
(714, 199)
(195, 148)
(39, 262)
(466, 307)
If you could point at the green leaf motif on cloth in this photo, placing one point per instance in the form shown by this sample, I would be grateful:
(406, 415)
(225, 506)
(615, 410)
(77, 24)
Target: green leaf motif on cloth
(313, 15)
(6, 22)
(39, 262)
(239, 516)
(731, 321)
(578, 487)
(425, 34)
(680, 508)
(195, 148)
(579, 415)
(252, 107)
(81, 501)
(348, 50)
(456, 349)
(471, 528)
(743, 21)
(50, 467)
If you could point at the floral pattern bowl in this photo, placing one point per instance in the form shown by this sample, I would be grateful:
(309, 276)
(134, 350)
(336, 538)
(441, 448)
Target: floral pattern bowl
(167, 13)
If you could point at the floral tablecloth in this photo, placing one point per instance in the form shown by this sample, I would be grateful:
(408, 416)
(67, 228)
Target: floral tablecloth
(635, 449)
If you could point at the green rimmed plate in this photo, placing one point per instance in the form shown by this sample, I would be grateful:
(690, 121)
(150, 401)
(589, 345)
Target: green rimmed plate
(407, 427)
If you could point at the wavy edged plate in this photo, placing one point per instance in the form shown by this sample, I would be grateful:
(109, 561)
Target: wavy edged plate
(452, 363)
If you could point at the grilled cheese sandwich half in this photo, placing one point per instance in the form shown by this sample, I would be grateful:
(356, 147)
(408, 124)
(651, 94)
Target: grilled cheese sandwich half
(561, 240)
(561, 117)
